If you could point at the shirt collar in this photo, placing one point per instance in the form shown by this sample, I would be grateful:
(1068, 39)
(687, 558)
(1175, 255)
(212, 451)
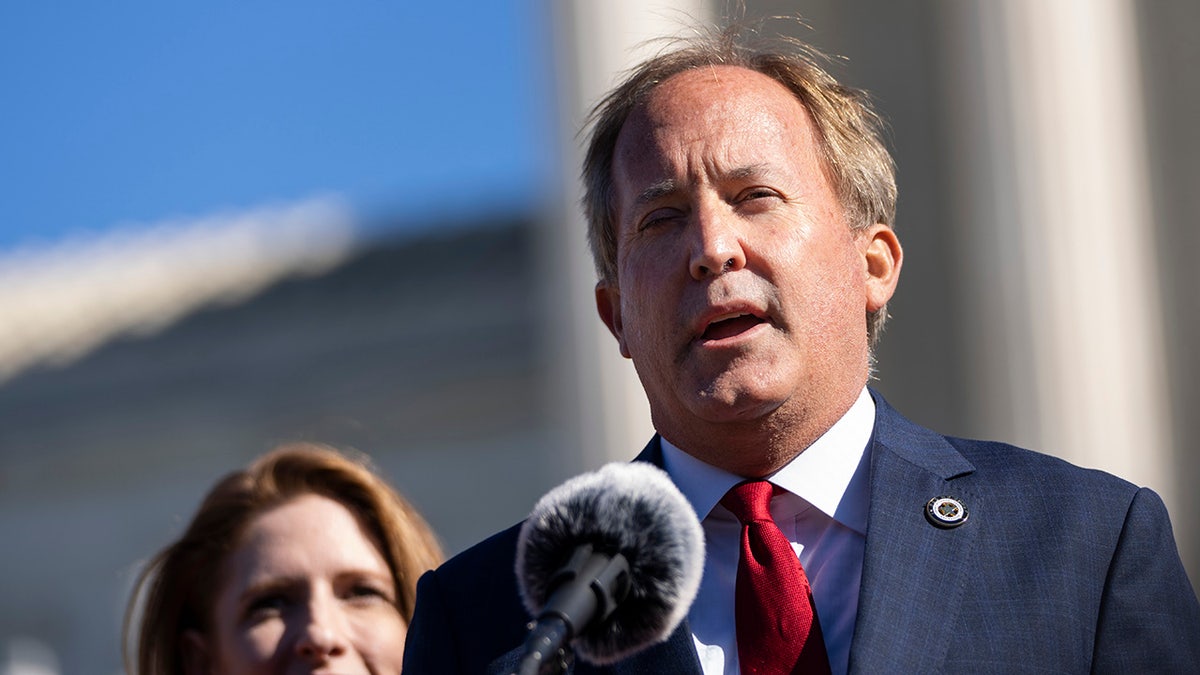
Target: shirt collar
(830, 474)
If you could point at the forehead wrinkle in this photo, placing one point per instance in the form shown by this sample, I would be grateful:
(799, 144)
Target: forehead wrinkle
(716, 175)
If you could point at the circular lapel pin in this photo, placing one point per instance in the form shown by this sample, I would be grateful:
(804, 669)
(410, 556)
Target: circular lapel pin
(946, 512)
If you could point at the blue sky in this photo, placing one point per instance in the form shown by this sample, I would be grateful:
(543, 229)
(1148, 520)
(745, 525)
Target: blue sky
(138, 111)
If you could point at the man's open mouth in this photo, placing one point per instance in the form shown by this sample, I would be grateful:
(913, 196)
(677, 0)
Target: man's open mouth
(727, 328)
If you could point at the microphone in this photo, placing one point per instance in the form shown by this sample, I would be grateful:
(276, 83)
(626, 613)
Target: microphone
(608, 562)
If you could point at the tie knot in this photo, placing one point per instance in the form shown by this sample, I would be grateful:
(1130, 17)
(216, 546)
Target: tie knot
(750, 501)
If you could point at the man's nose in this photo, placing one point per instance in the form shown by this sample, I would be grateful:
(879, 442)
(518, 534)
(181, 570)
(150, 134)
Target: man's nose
(716, 242)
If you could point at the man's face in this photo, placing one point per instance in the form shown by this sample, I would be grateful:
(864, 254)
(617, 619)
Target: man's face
(741, 290)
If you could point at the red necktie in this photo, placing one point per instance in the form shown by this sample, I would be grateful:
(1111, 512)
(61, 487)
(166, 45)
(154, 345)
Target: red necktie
(777, 628)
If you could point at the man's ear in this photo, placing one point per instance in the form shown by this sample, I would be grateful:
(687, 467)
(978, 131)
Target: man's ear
(608, 305)
(883, 257)
(197, 660)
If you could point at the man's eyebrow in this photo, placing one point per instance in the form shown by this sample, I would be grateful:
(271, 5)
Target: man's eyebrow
(669, 185)
(656, 191)
(748, 171)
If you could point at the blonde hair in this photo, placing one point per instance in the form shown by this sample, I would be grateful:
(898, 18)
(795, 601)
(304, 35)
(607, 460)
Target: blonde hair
(175, 589)
(849, 132)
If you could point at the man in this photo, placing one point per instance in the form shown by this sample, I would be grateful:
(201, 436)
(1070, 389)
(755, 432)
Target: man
(740, 209)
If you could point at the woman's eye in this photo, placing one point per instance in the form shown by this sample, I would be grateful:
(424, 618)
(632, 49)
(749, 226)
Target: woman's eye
(365, 591)
(266, 605)
(368, 592)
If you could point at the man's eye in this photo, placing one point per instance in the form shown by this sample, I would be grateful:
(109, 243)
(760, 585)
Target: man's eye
(659, 218)
(757, 200)
(757, 193)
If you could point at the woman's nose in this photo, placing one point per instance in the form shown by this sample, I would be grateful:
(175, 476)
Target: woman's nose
(321, 639)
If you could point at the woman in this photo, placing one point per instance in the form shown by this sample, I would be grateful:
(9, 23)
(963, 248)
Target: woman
(305, 558)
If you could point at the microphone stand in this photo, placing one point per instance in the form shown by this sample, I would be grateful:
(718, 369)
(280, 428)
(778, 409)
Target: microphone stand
(584, 591)
(534, 663)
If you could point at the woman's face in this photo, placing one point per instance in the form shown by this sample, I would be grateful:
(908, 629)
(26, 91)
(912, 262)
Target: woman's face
(305, 591)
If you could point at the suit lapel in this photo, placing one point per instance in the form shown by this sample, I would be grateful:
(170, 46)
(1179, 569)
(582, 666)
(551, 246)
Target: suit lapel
(913, 572)
(652, 453)
(676, 655)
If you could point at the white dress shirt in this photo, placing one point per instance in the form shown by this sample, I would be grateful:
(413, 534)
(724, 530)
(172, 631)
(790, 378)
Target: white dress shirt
(824, 516)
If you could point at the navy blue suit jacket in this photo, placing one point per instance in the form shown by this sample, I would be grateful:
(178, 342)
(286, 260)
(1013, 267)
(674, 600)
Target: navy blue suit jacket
(1057, 569)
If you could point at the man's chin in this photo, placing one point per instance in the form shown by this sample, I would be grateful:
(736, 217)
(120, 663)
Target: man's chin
(732, 405)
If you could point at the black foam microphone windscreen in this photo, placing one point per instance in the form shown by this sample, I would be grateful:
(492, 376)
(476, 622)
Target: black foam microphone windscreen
(631, 509)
